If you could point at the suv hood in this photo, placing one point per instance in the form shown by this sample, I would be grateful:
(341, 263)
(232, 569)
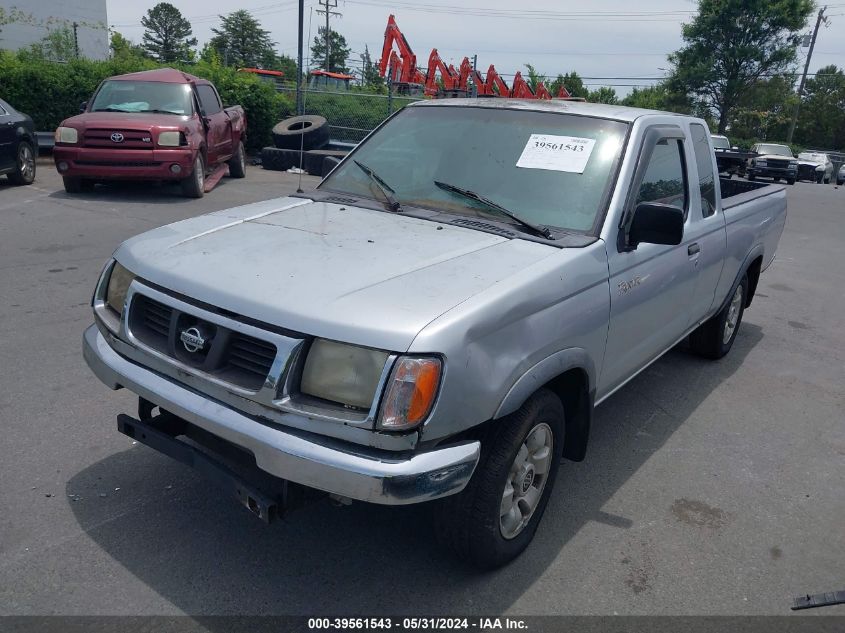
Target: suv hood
(346, 273)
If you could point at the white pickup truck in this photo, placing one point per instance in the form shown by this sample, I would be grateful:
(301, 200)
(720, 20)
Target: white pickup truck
(438, 319)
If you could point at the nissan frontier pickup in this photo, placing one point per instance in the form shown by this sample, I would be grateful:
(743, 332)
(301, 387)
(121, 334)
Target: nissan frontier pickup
(437, 320)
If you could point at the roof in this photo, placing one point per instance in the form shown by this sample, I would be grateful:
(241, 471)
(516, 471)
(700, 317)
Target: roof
(262, 71)
(601, 110)
(326, 73)
(164, 75)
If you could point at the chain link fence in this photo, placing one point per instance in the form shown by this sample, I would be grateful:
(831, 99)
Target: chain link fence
(351, 115)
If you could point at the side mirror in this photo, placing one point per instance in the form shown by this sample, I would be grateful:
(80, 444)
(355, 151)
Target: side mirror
(656, 223)
(83, 106)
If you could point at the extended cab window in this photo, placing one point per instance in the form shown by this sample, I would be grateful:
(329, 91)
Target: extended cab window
(704, 162)
(208, 99)
(663, 181)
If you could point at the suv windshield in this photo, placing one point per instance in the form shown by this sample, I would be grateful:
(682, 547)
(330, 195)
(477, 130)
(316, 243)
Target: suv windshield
(721, 142)
(548, 168)
(777, 150)
(143, 96)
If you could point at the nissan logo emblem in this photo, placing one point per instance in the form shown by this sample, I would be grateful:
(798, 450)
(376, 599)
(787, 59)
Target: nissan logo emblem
(117, 137)
(192, 340)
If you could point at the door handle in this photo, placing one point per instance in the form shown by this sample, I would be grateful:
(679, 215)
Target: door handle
(693, 249)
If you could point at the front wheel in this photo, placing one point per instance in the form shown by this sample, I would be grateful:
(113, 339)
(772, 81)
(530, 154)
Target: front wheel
(790, 181)
(496, 516)
(715, 337)
(24, 173)
(751, 177)
(194, 185)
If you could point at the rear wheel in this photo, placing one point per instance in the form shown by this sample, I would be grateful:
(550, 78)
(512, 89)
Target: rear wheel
(237, 164)
(715, 337)
(496, 516)
(790, 181)
(24, 173)
(194, 185)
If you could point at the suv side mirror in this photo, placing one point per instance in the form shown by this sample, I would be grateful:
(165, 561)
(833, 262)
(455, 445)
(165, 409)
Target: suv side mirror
(83, 106)
(656, 223)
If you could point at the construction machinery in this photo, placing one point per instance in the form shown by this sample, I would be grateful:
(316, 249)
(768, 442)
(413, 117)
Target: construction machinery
(399, 66)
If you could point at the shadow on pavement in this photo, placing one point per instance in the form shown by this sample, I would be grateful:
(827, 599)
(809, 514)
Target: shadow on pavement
(207, 555)
(134, 192)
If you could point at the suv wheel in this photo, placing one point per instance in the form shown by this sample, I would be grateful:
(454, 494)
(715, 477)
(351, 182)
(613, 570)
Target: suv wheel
(194, 185)
(715, 337)
(24, 173)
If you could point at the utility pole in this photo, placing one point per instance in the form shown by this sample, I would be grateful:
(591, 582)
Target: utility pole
(328, 5)
(299, 69)
(821, 18)
(76, 39)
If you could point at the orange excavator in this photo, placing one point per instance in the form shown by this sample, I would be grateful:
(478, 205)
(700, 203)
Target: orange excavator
(400, 69)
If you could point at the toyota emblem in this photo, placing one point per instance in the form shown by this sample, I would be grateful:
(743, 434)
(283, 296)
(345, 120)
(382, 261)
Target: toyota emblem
(117, 137)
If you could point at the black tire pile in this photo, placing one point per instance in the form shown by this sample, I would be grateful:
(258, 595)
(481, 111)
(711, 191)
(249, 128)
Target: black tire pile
(300, 142)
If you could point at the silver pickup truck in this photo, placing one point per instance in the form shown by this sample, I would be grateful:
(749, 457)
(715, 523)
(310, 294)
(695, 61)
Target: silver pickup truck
(438, 319)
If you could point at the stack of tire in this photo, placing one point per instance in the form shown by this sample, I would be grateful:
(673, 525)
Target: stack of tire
(301, 142)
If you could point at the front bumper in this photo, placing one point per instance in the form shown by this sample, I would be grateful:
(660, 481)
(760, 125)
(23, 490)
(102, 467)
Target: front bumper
(123, 164)
(314, 461)
(774, 172)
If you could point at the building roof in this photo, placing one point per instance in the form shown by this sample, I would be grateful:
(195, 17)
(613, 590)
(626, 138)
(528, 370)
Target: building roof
(164, 75)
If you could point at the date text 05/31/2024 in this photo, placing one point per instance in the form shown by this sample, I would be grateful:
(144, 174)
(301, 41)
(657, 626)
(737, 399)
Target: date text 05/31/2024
(413, 624)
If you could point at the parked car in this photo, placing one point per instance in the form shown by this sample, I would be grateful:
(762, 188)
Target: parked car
(773, 161)
(18, 145)
(437, 320)
(730, 160)
(153, 125)
(840, 176)
(815, 166)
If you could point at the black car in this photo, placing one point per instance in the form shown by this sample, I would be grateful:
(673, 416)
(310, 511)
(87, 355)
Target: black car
(18, 145)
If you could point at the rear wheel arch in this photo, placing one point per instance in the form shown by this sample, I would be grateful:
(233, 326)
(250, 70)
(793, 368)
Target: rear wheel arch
(753, 273)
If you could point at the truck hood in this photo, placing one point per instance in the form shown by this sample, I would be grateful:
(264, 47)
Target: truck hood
(125, 121)
(772, 157)
(337, 271)
(811, 163)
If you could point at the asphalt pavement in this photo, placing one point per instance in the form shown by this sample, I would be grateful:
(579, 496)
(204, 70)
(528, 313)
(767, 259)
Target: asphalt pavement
(708, 488)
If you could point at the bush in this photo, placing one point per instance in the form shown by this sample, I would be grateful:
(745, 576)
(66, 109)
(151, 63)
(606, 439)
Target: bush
(50, 92)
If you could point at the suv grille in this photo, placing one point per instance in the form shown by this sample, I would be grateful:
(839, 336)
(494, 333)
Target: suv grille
(232, 356)
(132, 139)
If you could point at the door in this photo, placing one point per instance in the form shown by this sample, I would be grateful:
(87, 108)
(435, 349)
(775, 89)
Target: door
(651, 285)
(218, 127)
(706, 228)
(8, 133)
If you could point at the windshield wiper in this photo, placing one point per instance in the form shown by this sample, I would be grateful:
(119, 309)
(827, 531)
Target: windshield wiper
(111, 110)
(537, 229)
(392, 202)
(154, 111)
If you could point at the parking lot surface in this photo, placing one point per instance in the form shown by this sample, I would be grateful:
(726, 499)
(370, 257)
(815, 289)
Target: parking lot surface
(708, 488)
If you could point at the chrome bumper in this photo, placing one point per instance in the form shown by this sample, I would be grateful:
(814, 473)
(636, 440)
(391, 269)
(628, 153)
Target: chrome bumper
(322, 463)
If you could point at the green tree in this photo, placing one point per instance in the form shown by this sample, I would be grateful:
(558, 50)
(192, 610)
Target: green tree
(370, 78)
(338, 51)
(603, 95)
(122, 48)
(58, 45)
(731, 44)
(765, 109)
(535, 78)
(240, 41)
(167, 36)
(821, 122)
(572, 82)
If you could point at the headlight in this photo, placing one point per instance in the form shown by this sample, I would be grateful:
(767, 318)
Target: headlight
(793, 163)
(410, 395)
(342, 373)
(118, 287)
(66, 135)
(170, 139)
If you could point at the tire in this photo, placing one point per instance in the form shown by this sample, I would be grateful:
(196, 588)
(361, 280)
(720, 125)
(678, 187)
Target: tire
(712, 339)
(329, 163)
(471, 524)
(75, 184)
(237, 164)
(790, 181)
(751, 177)
(276, 159)
(301, 132)
(194, 185)
(819, 179)
(314, 160)
(24, 173)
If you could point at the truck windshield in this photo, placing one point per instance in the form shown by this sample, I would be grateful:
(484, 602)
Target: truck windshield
(549, 168)
(721, 142)
(143, 96)
(777, 150)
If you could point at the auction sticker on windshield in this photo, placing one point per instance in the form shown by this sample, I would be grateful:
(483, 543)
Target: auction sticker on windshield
(556, 153)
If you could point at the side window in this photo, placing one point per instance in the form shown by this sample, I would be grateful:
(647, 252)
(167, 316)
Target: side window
(208, 99)
(663, 180)
(704, 162)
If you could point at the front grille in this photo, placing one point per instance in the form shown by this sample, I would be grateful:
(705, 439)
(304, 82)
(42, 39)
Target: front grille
(248, 360)
(132, 139)
(778, 163)
(230, 355)
(117, 163)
